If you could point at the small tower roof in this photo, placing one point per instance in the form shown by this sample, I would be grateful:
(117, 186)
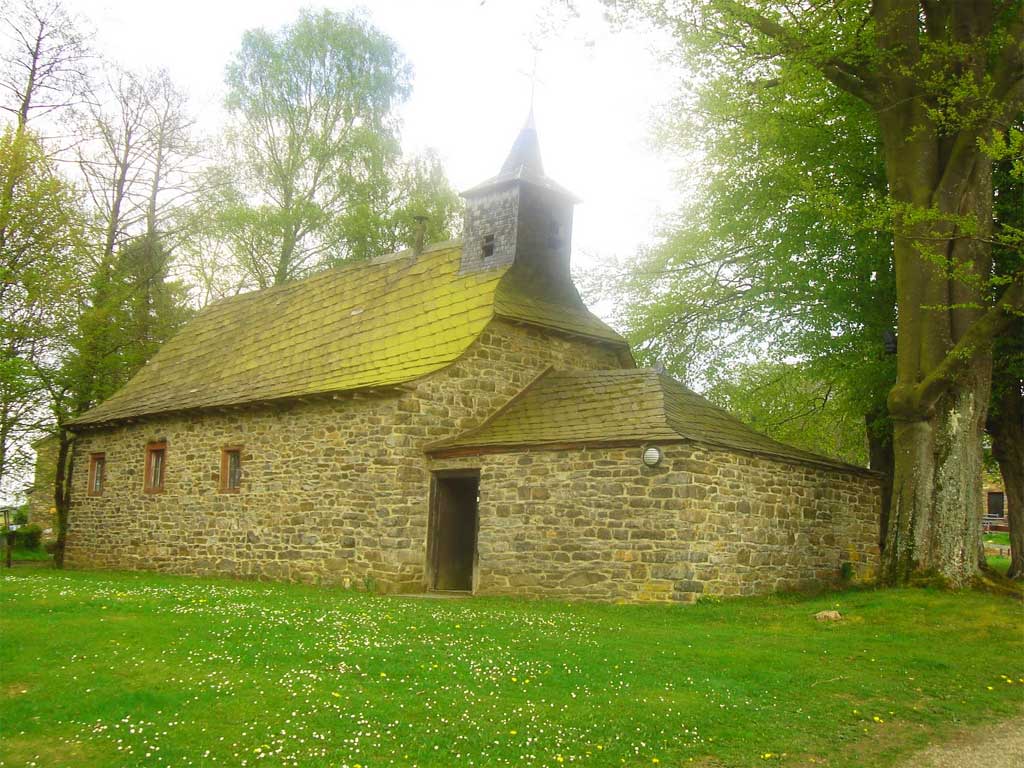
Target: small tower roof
(524, 157)
(524, 165)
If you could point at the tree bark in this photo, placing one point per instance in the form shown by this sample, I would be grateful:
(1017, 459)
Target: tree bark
(940, 400)
(881, 459)
(935, 519)
(62, 493)
(1007, 431)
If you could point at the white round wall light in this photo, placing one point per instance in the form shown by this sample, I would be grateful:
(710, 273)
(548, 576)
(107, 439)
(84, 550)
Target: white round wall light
(652, 456)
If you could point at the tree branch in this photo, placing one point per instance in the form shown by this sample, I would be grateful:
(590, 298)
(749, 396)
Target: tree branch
(977, 339)
(843, 74)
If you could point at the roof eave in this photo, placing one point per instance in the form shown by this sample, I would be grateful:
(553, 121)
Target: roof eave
(81, 425)
(446, 450)
(505, 180)
(453, 451)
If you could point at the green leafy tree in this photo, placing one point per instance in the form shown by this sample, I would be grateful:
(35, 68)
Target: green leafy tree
(41, 292)
(777, 259)
(134, 308)
(940, 78)
(790, 402)
(315, 175)
(388, 220)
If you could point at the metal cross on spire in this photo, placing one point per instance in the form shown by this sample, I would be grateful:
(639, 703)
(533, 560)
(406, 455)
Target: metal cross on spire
(532, 74)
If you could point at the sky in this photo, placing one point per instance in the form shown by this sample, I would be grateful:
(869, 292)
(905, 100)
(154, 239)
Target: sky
(595, 90)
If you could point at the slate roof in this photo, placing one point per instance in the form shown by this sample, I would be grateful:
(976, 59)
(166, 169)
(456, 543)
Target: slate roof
(630, 406)
(368, 325)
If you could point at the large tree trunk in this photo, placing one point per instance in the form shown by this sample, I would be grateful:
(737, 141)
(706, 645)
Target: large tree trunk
(944, 363)
(62, 493)
(881, 459)
(1007, 431)
(1013, 482)
(941, 78)
(934, 524)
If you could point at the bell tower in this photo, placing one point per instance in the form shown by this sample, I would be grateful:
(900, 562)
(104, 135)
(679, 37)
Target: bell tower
(520, 217)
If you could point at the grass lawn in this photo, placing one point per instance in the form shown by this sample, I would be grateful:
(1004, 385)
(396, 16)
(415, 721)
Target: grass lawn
(103, 669)
(998, 537)
(24, 554)
(1000, 564)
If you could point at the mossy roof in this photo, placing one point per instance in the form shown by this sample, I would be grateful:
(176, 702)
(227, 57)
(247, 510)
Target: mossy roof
(630, 406)
(373, 324)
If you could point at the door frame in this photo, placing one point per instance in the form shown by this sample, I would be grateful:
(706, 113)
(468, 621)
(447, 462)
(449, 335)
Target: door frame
(434, 522)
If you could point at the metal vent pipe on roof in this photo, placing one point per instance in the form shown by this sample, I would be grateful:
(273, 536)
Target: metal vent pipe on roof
(420, 235)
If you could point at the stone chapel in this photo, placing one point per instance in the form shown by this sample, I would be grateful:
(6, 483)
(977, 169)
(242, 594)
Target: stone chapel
(451, 418)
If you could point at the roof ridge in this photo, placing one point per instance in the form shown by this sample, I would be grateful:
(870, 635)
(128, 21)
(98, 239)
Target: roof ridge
(789, 452)
(662, 404)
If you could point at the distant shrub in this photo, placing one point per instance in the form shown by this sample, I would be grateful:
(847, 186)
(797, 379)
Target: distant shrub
(28, 537)
(20, 517)
(709, 600)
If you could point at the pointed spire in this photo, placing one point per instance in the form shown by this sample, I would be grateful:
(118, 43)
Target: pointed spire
(524, 157)
(523, 165)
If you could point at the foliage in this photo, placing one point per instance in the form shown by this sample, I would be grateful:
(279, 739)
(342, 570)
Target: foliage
(315, 175)
(387, 221)
(791, 403)
(22, 555)
(224, 671)
(28, 537)
(1005, 422)
(41, 244)
(20, 517)
(939, 80)
(779, 258)
(135, 307)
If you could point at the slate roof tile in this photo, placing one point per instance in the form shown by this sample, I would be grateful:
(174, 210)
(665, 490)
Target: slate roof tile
(618, 406)
(373, 324)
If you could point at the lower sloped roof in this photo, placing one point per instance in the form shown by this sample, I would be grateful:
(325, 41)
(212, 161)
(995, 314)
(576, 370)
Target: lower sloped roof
(372, 324)
(580, 407)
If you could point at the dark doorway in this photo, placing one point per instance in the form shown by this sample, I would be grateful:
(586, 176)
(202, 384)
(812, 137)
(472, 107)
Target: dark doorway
(996, 504)
(451, 546)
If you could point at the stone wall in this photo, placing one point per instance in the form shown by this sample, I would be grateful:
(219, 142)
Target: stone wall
(336, 491)
(333, 491)
(596, 523)
(493, 213)
(544, 235)
(41, 509)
